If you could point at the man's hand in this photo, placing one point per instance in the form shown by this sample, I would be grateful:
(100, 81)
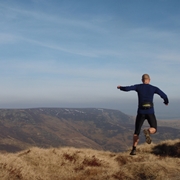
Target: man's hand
(118, 87)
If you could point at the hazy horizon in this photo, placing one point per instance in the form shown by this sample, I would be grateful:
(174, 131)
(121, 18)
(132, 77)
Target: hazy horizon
(128, 107)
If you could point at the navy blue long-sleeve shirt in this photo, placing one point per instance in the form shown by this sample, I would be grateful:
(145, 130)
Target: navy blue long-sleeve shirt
(145, 94)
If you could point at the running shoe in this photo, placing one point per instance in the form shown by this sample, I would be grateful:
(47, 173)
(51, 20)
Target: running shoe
(133, 152)
(147, 136)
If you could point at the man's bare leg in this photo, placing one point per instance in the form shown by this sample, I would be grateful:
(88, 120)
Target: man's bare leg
(135, 142)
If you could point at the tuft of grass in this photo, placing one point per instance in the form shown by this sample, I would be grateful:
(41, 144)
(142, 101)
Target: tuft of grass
(72, 158)
(93, 161)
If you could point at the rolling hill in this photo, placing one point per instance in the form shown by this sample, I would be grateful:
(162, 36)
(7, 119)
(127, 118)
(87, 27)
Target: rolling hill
(100, 129)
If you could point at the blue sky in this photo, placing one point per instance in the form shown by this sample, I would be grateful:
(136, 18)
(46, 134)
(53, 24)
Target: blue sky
(74, 53)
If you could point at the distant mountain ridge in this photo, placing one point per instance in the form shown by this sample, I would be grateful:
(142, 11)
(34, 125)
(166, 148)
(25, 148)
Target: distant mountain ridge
(102, 129)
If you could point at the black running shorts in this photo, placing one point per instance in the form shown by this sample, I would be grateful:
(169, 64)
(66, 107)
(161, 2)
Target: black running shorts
(140, 118)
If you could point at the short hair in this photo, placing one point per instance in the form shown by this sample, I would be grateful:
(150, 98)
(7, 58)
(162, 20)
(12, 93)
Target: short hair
(145, 76)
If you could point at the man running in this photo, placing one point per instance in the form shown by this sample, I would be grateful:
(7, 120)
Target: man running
(145, 110)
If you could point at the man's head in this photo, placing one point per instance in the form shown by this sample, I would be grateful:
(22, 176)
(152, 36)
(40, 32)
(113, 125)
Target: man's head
(145, 78)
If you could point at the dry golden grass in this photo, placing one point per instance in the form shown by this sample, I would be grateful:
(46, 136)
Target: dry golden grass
(152, 162)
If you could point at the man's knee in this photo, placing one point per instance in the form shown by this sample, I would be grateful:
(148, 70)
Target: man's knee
(152, 130)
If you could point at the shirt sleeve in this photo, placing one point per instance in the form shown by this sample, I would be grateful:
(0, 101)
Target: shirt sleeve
(128, 88)
(162, 95)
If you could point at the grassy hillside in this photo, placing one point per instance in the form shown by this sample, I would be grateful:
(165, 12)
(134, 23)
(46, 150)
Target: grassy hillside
(152, 162)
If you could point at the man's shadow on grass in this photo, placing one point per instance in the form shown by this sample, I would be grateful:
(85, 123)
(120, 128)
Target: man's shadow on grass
(167, 150)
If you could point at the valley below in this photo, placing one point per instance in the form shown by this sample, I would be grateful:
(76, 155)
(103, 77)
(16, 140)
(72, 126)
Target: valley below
(99, 129)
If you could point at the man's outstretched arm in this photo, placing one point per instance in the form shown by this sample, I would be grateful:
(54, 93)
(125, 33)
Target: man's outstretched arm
(127, 88)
